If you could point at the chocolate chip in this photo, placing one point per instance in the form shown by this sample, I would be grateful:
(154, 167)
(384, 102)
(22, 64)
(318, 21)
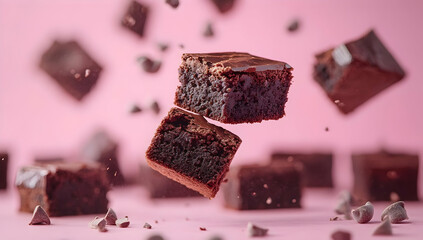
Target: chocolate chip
(326, 129)
(163, 46)
(98, 223)
(155, 237)
(173, 3)
(384, 228)
(255, 231)
(293, 25)
(110, 217)
(135, 109)
(396, 212)
(364, 213)
(341, 235)
(122, 222)
(203, 229)
(40, 217)
(155, 107)
(149, 65)
(147, 225)
(208, 30)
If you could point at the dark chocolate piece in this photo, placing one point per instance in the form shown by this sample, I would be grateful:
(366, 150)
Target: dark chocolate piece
(233, 87)
(163, 46)
(155, 107)
(40, 217)
(102, 149)
(224, 5)
(173, 3)
(149, 65)
(191, 151)
(317, 166)
(160, 186)
(341, 235)
(71, 66)
(354, 72)
(208, 30)
(63, 188)
(4, 160)
(122, 222)
(378, 175)
(384, 228)
(293, 25)
(110, 217)
(135, 109)
(98, 223)
(276, 185)
(135, 18)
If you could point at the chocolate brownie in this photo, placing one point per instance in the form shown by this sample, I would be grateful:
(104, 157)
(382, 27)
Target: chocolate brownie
(317, 166)
(233, 87)
(275, 185)
(160, 186)
(354, 72)
(224, 5)
(191, 151)
(71, 66)
(63, 188)
(4, 160)
(135, 18)
(379, 176)
(103, 149)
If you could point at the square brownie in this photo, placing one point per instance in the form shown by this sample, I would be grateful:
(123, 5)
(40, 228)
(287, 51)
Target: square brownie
(135, 18)
(71, 66)
(317, 167)
(354, 72)
(233, 87)
(191, 151)
(68, 188)
(4, 160)
(379, 176)
(275, 185)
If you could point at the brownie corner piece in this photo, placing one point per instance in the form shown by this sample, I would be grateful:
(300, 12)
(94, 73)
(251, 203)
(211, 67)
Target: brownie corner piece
(135, 17)
(233, 87)
(354, 72)
(4, 160)
(191, 151)
(71, 66)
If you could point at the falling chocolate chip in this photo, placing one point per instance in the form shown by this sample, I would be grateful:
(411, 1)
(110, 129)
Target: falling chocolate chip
(163, 46)
(147, 225)
(341, 235)
(203, 229)
(155, 107)
(122, 222)
(149, 65)
(255, 231)
(135, 109)
(396, 212)
(384, 228)
(208, 30)
(40, 217)
(155, 237)
(111, 217)
(224, 5)
(364, 213)
(173, 3)
(98, 223)
(293, 25)
(326, 129)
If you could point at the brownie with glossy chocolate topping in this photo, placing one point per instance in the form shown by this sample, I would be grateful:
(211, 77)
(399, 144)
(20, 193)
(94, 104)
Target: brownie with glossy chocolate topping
(233, 87)
(354, 72)
(71, 66)
(135, 18)
(191, 151)
(275, 185)
(4, 160)
(385, 176)
(67, 188)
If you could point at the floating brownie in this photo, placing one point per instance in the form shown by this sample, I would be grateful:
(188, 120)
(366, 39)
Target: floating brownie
(354, 72)
(191, 151)
(102, 149)
(135, 17)
(317, 167)
(276, 185)
(377, 176)
(233, 87)
(160, 186)
(63, 188)
(224, 5)
(71, 67)
(4, 160)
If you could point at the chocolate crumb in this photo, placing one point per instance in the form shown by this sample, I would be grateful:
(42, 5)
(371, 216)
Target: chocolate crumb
(149, 65)
(163, 46)
(135, 109)
(341, 235)
(155, 107)
(208, 30)
(147, 225)
(122, 222)
(111, 217)
(181, 46)
(40, 217)
(384, 228)
(203, 229)
(334, 219)
(364, 213)
(155, 221)
(293, 25)
(155, 237)
(256, 231)
(173, 3)
(326, 129)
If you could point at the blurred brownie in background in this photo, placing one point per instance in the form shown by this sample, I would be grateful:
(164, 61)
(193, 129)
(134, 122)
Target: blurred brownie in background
(385, 176)
(4, 161)
(103, 149)
(354, 72)
(65, 188)
(160, 186)
(317, 167)
(71, 66)
(135, 17)
(275, 185)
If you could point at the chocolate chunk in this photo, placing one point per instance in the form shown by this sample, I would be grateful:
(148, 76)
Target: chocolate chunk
(224, 5)
(344, 208)
(4, 160)
(135, 109)
(155, 107)
(69, 188)
(377, 175)
(147, 225)
(163, 46)
(233, 87)
(122, 222)
(149, 65)
(364, 213)
(203, 229)
(173, 3)
(384, 228)
(98, 223)
(155, 237)
(354, 72)
(72, 68)
(39, 217)
(293, 25)
(396, 212)
(110, 217)
(256, 231)
(191, 151)
(341, 235)
(208, 30)
(135, 18)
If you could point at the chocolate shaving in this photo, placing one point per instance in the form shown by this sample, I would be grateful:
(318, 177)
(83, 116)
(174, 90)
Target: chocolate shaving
(40, 217)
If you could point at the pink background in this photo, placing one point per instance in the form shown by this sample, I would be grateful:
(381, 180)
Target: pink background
(37, 118)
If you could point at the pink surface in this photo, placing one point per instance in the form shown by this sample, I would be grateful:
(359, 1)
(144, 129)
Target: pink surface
(38, 118)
